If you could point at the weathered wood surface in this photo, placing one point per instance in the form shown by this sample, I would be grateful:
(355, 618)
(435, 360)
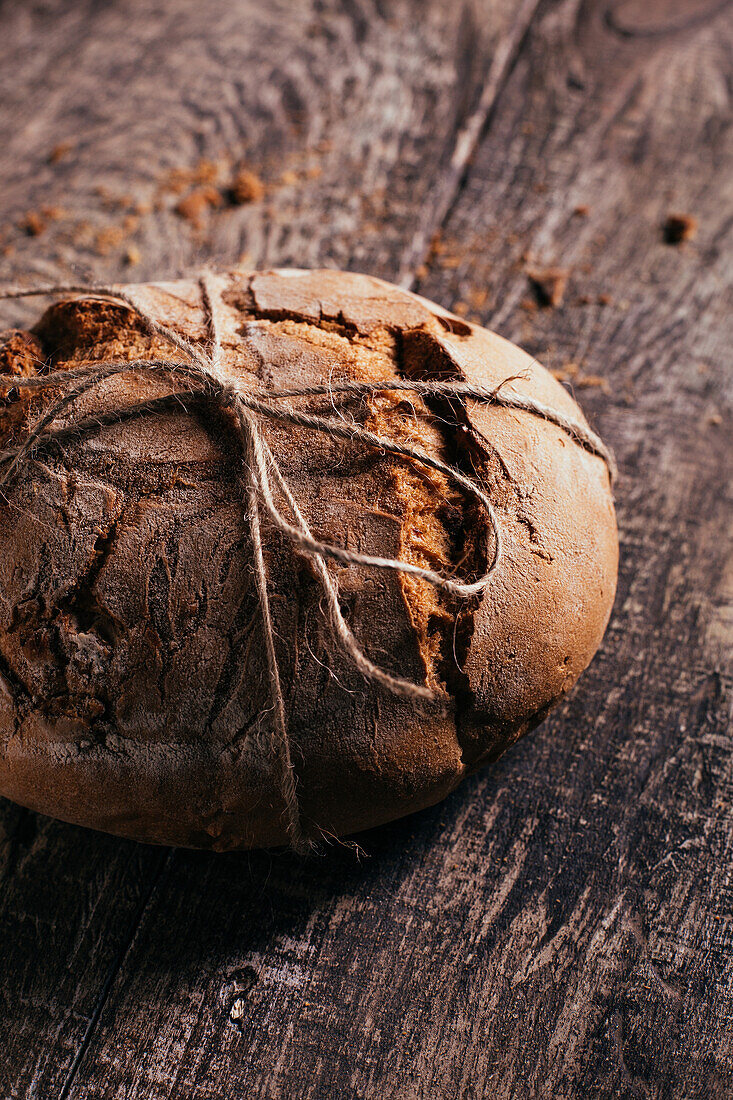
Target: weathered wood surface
(562, 926)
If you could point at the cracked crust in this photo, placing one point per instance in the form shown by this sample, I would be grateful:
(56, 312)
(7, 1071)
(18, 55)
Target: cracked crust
(133, 695)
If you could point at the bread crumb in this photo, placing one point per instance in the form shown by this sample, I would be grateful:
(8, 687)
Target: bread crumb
(108, 238)
(204, 172)
(33, 223)
(715, 419)
(246, 187)
(592, 381)
(194, 206)
(679, 227)
(132, 255)
(605, 300)
(582, 210)
(461, 308)
(59, 151)
(570, 372)
(549, 285)
(478, 297)
(566, 372)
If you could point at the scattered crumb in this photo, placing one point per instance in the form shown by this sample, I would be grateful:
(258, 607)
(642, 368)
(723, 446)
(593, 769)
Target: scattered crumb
(528, 304)
(592, 381)
(107, 239)
(33, 224)
(421, 271)
(178, 179)
(461, 308)
(246, 187)
(59, 151)
(571, 372)
(679, 227)
(36, 221)
(194, 206)
(603, 299)
(436, 245)
(567, 372)
(715, 419)
(478, 297)
(132, 255)
(313, 172)
(549, 285)
(289, 178)
(582, 210)
(540, 188)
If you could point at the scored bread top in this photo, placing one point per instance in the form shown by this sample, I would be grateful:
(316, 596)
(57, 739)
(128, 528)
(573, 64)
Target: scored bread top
(133, 692)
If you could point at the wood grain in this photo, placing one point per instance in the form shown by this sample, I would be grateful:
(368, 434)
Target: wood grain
(562, 925)
(351, 113)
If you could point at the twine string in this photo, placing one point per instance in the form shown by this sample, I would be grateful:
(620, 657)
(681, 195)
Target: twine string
(202, 373)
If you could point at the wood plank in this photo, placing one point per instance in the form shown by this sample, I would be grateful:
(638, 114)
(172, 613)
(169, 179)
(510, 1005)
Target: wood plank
(69, 905)
(354, 115)
(562, 925)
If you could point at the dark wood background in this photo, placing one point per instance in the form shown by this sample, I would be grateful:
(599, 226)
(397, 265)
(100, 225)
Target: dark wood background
(561, 926)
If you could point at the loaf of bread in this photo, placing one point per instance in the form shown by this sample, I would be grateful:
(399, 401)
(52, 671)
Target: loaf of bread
(135, 693)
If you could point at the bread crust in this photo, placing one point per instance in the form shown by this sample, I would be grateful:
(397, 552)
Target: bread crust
(133, 692)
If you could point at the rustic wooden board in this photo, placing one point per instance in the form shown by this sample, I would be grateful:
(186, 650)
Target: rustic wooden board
(562, 925)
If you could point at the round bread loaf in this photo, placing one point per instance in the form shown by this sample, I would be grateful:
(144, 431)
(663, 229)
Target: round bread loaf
(134, 688)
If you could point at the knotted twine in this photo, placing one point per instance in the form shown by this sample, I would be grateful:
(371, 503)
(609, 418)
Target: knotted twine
(202, 375)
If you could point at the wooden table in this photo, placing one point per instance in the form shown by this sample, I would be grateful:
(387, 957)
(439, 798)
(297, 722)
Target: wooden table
(562, 925)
